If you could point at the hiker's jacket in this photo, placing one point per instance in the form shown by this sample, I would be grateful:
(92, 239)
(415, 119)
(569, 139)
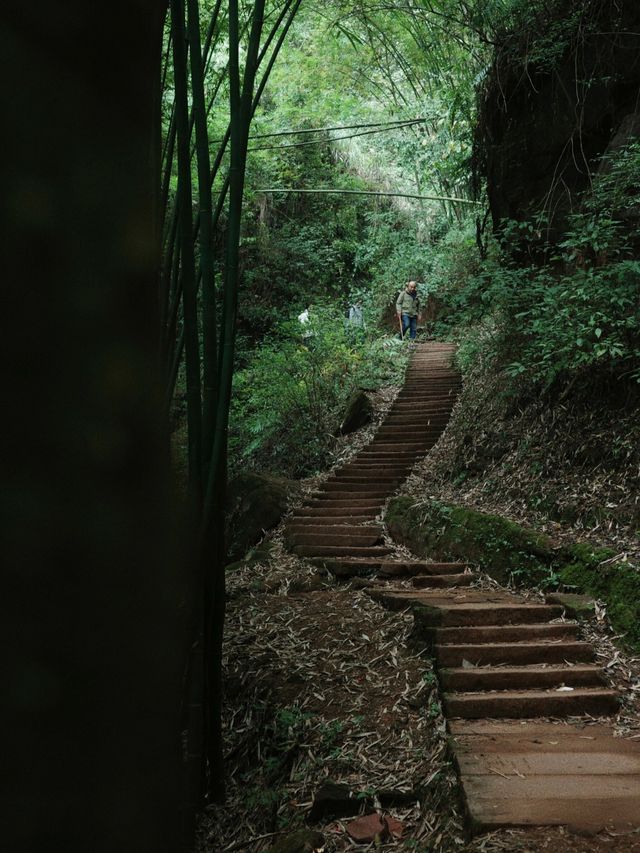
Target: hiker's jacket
(406, 304)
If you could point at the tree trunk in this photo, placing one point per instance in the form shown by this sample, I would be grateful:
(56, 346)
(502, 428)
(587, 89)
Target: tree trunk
(95, 636)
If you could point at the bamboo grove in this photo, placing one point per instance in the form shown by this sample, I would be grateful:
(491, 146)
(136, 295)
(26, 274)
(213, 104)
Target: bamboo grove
(201, 194)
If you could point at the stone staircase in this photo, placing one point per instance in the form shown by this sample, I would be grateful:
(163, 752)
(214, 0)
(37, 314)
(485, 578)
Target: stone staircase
(337, 525)
(506, 665)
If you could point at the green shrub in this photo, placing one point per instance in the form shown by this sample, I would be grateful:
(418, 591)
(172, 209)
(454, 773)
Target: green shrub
(288, 403)
(542, 312)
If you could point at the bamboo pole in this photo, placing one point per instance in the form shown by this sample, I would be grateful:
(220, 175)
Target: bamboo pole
(205, 232)
(381, 194)
(326, 140)
(187, 257)
(212, 544)
(305, 130)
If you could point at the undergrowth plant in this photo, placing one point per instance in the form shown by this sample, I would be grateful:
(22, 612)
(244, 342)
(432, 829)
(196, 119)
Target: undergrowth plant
(289, 402)
(543, 312)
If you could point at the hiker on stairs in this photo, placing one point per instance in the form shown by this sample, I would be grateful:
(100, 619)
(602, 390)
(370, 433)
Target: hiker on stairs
(409, 309)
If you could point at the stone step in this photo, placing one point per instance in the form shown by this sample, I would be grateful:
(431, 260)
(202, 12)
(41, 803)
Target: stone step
(391, 568)
(414, 568)
(513, 653)
(415, 419)
(513, 704)
(425, 429)
(422, 405)
(400, 439)
(387, 448)
(310, 525)
(362, 470)
(503, 633)
(340, 550)
(520, 677)
(422, 432)
(477, 613)
(417, 414)
(339, 505)
(368, 486)
(332, 513)
(391, 464)
(426, 400)
(363, 478)
(333, 539)
(362, 495)
(329, 520)
(443, 392)
(436, 581)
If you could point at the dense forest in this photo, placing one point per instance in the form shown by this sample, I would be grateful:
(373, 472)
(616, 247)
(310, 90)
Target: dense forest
(210, 210)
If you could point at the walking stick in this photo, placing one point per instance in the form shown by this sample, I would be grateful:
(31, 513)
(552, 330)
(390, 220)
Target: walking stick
(400, 323)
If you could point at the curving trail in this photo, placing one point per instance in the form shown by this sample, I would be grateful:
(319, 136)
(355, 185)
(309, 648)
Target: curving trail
(520, 689)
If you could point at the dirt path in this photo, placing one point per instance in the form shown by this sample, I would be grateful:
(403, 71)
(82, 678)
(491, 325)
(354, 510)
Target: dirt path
(324, 682)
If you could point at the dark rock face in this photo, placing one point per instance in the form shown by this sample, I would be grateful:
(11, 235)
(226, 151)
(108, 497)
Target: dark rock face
(333, 799)
(255, 503)
(359, 413)
(545, 121)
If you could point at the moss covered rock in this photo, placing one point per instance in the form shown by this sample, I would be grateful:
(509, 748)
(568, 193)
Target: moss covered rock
(255, 504)
(506, 551)
(358, 413)
(615, 583)
(501, 548)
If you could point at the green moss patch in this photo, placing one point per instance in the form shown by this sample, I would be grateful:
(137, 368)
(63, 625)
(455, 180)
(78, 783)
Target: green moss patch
(508, 552)
(501, 548)
(617, 584)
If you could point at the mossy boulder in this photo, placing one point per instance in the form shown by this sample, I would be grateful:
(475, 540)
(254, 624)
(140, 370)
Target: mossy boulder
(255, 504)
(501, 548)
(358, 413)
(508, 552)
(615, 583)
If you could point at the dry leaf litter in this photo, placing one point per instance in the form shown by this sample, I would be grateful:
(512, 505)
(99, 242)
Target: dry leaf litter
(323, 683)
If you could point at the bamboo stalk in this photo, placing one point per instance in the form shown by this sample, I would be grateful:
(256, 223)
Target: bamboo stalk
(381, 194)
(187, 257)
(205, 233)
(324, 141)
(212, 545)
(304, 130)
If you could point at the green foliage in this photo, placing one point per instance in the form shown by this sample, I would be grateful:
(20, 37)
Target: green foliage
(617, 583)
(541, 313)
(288, 403)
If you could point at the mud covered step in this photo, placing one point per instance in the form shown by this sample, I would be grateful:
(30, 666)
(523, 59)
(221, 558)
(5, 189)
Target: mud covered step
(340, 550)
(394, 449)
(367, 499)
(313, 539)
(442, 581)
(310, 525)
(380, 463)
(513, 653)
(415, 568)
(432, 610)
(346, 512)
(461, 579)
(364, 478)
(503, 633)
(470, 679)
(338, 487)
(421, 431)
(514, 704)
(385, 568)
